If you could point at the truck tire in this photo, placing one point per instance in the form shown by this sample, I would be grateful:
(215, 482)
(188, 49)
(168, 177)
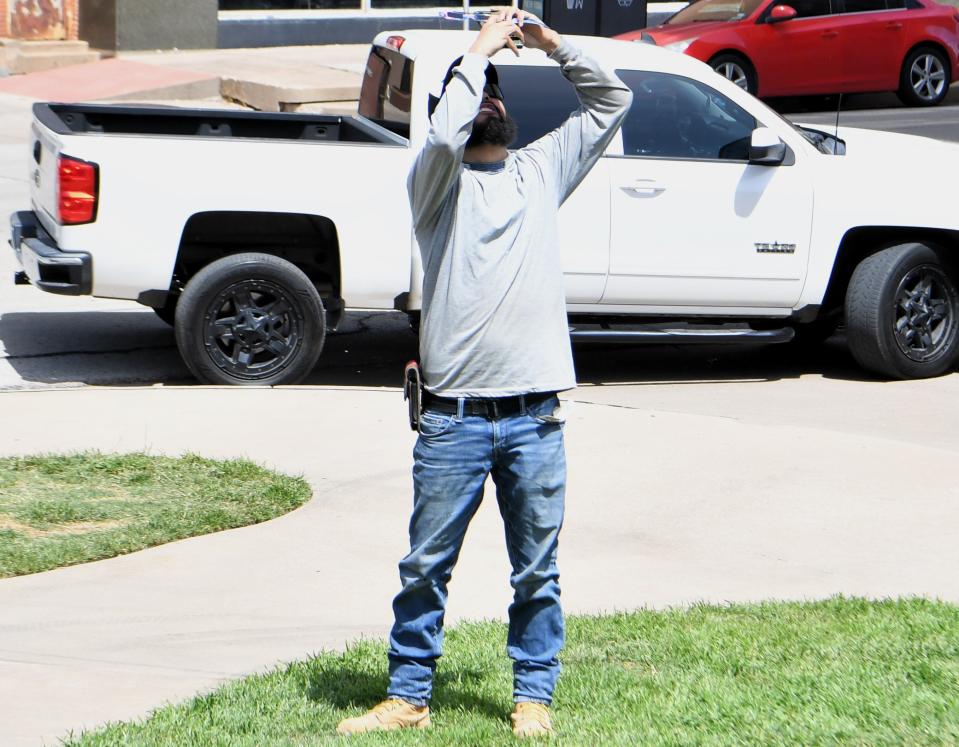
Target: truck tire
(250, 319)
(902, 313)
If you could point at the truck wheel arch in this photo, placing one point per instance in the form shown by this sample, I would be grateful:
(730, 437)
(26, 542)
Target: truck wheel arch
(308, 241)
(863, 241)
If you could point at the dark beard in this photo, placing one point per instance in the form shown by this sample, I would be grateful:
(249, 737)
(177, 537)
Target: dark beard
(493, 131)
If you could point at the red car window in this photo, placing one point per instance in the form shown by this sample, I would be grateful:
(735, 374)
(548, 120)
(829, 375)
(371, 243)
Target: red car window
(810, 8)
(715, 10)
(863, 6)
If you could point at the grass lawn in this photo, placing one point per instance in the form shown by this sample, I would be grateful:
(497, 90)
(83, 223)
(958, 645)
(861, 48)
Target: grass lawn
(62, 510)
(836, 672)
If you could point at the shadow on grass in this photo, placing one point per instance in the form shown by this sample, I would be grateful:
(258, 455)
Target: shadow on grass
(343, 687)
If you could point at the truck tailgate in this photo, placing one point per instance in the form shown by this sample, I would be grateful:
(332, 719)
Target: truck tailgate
(43, 177)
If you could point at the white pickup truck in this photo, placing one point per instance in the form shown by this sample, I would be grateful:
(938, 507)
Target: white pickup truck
(710, 218)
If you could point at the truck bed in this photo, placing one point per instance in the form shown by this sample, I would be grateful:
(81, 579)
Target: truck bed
(81, 119)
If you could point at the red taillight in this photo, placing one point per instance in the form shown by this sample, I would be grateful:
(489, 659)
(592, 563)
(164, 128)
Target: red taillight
(77, 190)
(396, 42)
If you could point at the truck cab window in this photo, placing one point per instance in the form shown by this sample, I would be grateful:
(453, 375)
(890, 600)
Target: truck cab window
(676, 117)
(540, 99)
(387, 90)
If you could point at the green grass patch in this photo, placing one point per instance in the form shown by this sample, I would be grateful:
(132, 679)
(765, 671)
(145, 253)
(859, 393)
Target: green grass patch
(836, 672)
(62, 510)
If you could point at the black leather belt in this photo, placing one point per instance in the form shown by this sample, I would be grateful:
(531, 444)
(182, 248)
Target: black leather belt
(492, 407)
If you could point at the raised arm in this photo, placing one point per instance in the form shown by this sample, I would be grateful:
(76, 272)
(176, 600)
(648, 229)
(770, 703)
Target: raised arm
(571, 150)
(436, 169)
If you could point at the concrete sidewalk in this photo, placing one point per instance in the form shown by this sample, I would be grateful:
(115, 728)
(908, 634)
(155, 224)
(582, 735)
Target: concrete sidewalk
(664, 508)
(280, 79)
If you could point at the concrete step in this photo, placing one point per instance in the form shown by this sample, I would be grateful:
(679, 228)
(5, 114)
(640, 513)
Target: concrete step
(26, 47)
(34, 56)
(37, 62)
(267, 96)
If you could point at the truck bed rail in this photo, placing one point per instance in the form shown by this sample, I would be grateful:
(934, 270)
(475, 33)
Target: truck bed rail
(80, 119)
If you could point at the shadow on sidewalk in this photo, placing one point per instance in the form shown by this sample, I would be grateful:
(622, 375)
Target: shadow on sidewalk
(119, 348)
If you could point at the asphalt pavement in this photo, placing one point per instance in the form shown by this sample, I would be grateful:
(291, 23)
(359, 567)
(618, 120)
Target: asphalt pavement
(877, 112)
(696, 474)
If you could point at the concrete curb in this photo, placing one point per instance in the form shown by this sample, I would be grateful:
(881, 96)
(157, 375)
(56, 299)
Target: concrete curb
(273, 98)
(200, 89)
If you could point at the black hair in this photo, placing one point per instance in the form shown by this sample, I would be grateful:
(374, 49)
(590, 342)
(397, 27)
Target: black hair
(492, 85)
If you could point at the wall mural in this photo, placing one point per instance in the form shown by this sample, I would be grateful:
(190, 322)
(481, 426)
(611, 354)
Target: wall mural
(37, 19)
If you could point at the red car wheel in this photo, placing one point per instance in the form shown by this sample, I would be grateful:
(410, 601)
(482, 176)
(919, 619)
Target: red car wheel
(925, 77)
(736, 69)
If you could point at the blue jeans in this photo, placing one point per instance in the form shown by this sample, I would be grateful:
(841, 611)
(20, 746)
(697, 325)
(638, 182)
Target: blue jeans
(452, 458)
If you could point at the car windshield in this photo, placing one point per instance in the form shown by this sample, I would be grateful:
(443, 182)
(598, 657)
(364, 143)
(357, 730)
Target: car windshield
(704, 11)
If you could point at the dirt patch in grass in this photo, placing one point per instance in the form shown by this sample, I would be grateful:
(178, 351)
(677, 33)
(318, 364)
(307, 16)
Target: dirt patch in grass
(63, 510)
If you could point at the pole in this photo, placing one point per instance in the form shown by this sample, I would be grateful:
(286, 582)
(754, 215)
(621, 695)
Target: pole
(466, 10)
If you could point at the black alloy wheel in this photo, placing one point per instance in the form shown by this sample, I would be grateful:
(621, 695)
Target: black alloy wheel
(902, 312)
(250, 319)
(251, 329)
(925, 313)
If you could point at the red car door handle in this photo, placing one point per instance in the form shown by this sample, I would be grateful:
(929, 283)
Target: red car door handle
(830, 34)
(893, 26)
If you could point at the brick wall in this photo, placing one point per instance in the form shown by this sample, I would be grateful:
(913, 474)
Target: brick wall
(68, 29)
(71, 13)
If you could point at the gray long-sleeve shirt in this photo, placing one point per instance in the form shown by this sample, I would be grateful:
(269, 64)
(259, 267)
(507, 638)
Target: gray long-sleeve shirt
(493, 321)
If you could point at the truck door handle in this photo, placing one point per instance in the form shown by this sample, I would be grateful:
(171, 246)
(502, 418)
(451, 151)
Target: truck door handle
(830, 34)
(644, 187)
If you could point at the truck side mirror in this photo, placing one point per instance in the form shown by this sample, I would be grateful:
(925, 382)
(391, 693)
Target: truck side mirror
(765, 148)
(781, 13)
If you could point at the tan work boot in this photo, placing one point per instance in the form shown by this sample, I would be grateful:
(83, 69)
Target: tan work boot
(392, 713)
(531, 720)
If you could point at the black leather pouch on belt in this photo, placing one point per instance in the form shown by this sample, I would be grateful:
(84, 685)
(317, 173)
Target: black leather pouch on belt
(413, 393)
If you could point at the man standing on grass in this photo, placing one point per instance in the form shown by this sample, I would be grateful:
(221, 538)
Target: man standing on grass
(495, 351)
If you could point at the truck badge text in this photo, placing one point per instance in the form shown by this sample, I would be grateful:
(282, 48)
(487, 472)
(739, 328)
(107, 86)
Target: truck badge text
(775, 248)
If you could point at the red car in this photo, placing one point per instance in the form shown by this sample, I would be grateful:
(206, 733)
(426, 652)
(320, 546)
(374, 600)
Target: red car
(799, 47)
